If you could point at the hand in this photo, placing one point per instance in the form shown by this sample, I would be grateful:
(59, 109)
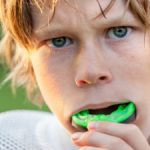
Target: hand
(111, 136)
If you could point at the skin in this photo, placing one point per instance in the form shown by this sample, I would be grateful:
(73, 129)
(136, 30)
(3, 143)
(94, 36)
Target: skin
(96, 70)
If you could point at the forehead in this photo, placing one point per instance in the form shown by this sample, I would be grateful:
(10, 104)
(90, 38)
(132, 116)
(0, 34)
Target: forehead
(70, 11)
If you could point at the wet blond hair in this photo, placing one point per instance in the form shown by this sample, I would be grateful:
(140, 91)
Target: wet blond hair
(16, 19)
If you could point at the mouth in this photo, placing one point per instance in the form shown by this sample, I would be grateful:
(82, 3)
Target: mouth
(119, 113)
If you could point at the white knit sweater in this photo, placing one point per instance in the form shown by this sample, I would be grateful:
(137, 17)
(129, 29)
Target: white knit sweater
(32, 130)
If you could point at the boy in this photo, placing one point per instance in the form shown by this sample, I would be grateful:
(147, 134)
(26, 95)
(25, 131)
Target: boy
(81, 54)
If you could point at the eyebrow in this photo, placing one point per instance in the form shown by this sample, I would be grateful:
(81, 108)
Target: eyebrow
(52, 27)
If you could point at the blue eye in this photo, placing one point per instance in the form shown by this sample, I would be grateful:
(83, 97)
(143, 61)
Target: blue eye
(119, 32)
(60, 42)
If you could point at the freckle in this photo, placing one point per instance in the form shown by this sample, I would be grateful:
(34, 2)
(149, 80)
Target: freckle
(132, 57)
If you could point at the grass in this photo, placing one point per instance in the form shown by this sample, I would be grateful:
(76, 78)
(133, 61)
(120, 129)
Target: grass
(10, 101)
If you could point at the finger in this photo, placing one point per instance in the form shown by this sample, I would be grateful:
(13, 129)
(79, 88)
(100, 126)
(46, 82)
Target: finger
(100, 140)
(91, 148)
(130, 133)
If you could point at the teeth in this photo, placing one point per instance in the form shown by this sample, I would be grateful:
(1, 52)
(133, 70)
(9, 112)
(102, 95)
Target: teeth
(75, 125)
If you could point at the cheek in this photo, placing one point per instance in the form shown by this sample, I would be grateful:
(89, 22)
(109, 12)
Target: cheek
(135, 75)
(52, 91)
(133, 62)
(50, 83)
(53, 80)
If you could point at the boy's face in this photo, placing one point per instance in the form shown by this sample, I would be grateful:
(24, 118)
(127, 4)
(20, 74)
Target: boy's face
(85, 63)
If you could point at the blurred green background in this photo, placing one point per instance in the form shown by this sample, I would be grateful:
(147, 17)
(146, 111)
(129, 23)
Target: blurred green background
(10, 101)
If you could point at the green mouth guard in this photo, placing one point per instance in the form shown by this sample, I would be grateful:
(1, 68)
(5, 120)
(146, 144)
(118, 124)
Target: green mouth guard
(121, 114)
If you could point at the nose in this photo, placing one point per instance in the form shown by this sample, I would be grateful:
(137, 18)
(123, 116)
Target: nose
(89, 78)
(92, 69)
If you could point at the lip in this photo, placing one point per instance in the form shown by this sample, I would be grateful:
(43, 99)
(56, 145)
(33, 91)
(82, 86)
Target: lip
(98, 106)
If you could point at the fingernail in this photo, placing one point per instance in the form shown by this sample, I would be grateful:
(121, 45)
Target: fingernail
(76, 136)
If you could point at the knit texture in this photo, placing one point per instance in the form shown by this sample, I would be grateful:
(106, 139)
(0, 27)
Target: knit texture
(32, 130)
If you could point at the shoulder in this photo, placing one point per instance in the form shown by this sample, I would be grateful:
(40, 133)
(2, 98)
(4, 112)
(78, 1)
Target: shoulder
(18, 129)
(22, 118)
(32, 130)
(11, 116)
